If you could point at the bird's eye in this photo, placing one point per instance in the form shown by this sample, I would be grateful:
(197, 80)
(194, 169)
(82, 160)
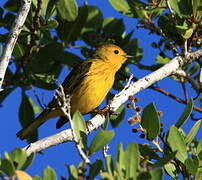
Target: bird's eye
(116, 51)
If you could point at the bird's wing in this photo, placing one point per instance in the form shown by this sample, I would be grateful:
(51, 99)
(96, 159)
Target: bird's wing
(73, 79)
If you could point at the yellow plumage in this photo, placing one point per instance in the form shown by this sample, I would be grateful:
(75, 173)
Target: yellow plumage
(88, 84)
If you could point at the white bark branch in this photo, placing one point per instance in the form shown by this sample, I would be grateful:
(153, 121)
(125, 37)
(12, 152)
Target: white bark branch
(12, 38)
(131, 88)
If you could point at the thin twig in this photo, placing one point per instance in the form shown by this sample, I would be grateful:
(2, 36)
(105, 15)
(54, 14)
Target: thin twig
(12, 38)
(64, 103)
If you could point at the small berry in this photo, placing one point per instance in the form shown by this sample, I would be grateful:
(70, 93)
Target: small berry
(161, 129)
(161, 124)
(131, 98)
(142, 136)
(129, 106)
(135, 130)
(138, 109)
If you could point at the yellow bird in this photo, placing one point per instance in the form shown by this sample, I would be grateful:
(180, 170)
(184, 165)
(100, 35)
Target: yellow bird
(88, 84)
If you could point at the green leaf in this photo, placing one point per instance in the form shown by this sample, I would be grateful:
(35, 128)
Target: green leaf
(192, 133)
(12, 5)
(50, 8)
(49, 174)
(181, 7)
(73, 173)
(150, 121)
(96, 167)
(191, 165)
(18, 50)
(198, 175)
(132, 158)
(102, 138)
(184, 31)
(147, 151)
(79, 127)
(185, 115)
(68, 9)
(199, 147)
(26, 116)
(94, 19)
(43, 7)
(164, 160)
(109, 164)
(177, 143)
(156, 174)
(28, 162)
(50, 24)
(7, 167)
(71, 31)
(162, 60)
(36, 178)
(36, 108)
(116, 119)
(171, 170)
(19, 157)
(122, 6)
(120, 161)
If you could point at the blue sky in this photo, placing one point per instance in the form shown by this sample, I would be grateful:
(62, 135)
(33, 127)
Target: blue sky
(66, 153)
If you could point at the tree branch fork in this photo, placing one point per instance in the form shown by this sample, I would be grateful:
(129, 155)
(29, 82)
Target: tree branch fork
(130, 89)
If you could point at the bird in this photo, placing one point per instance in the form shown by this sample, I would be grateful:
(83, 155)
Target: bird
(88, 84)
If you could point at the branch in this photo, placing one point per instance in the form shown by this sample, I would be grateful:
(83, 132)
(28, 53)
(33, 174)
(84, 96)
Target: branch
(130, 89)
(12, 38)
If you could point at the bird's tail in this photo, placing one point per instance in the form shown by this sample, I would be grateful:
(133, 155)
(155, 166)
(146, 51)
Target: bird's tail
(27, 131)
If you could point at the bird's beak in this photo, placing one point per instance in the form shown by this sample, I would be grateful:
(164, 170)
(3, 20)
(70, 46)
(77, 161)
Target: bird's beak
(128, 56)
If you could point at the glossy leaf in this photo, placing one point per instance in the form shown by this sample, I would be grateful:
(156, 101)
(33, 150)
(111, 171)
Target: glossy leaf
(79, 127)
(165, 159)
(7, 167)
(171, 170)
(177, 143)
(102, 138)
(122, 6)
(191, 165)
(132, 158)
(49, 174)
(73, 173)
(181, 7)
(97, 167)
(185, 115)
(68, 9)
(116, 119)
(26, 115)
(192, 133)
(28, 162)
(19, 157)
(156, 174)
(150, 121)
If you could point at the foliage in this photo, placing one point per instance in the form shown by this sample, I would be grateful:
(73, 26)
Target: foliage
(53, 29)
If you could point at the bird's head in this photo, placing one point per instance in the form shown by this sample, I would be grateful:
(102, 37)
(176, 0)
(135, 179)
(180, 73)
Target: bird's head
(112, 54)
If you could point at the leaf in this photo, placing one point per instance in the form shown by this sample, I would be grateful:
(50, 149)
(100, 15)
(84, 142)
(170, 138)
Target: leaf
(18, 50)
(49, 174)
(164, 160)
(26, 116)
(79, 127)
(191, 165)
(1, 49)
(68, 9)
(184, 31)
(177, 143)
(120, 161)
(162, 60)
(7, 167)
(21, 175)
(73, 173)
(192, 133)
(181, 7)
(116, 119)
(199, 147)
(132, 158)
(28, 162)
(121, 6)
(19, 157)
(171, 170)
(150, 121)
(147, 151)
(96, 167)
(71, 31)
(102, 138)
(36, 108)
(109, 164)
(185, 115)
(156, 174)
